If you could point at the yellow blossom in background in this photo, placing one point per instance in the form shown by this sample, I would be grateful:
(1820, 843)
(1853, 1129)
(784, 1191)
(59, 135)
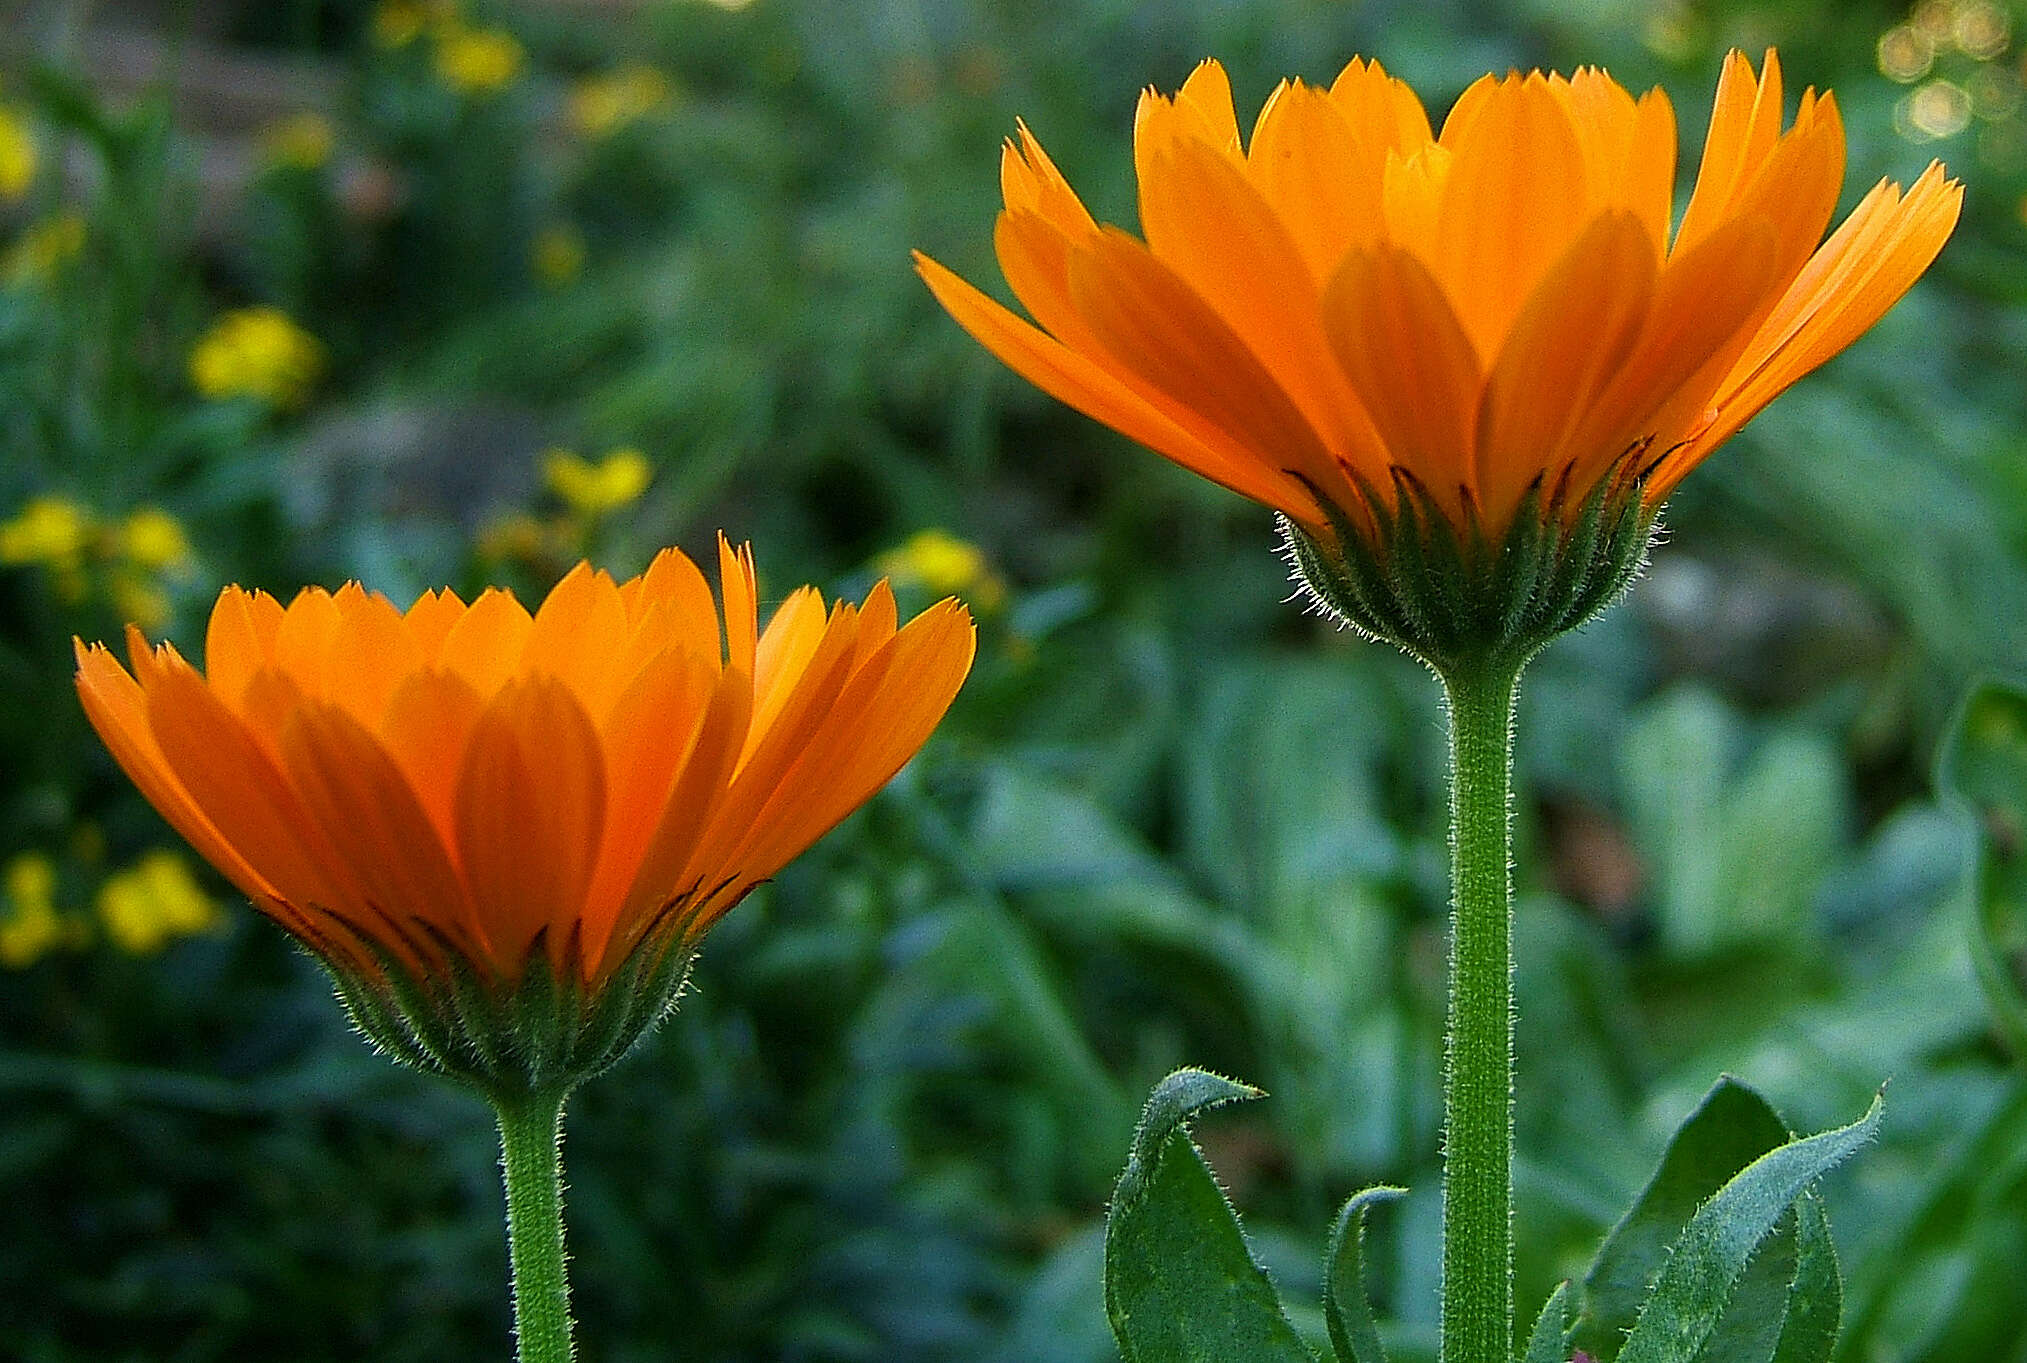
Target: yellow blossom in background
(153, 902)
(18, 158)
(48, 530)
(397, 23)
(557, 256)
(302, 140)
(478, 61)
(596, 489)
(514, 537)
(139, 600)
(602, 105)
(257, 353)
(152, 538)
(30, 926)
(943, 565)
(46, 247)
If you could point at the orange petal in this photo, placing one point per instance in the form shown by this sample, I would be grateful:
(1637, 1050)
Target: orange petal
(1574, 333)
(1385, 111)
(530, 814)
(1155, 325)
(675, 583)
(1705, 301)
(371, 651)
(1745, 121)
(425, 727)
(650, 734)
(738, 586)
(484, 647)
(302, 646)
(791, 640)
(878, 722)
(353, 789)
(1407, 355)
(1080, 382)
(1324, 179)
(1628, 146)
(1861, 272)
(230, 778)
(118, 710)
(431, 619)
(1516, 197)
(239, 640)
(705, 775)
(1207, 223)
(1030, 182)
(575, 637)
(877, 621)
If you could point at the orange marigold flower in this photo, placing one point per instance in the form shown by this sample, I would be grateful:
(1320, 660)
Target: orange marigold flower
(456, 806)
(1348, 301)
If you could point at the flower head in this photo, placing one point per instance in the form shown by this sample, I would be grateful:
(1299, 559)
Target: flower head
(44, 248)
(1348, 308)
(605, 104)
(505, 833)
(258, 353)
(18, 156)
(616, 480)
(301, 141)
(479, 61)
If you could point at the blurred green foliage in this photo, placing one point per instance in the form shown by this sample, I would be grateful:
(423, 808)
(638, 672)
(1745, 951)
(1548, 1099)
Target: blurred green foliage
(1170, 821)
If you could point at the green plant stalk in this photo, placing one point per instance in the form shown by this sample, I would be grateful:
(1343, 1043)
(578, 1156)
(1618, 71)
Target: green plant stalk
(531, 1162)
(1478, 1046)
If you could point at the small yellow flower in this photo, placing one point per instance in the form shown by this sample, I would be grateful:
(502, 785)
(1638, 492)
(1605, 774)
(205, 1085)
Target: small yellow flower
(151, 538)
(257, 353)
(397, 23)
(595, 489)
(302, 141)
(515, 537)
(602, 105)
(478, 61)
(943, 565)
(31, 927)
(558, 255)
(46, 247)
(48, 530)
(154, 901)
(139, 600)
(18, 157)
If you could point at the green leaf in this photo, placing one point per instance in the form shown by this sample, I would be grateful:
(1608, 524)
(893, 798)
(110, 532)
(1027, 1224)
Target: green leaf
(1984, 762)
(1708, 1259)
(1729, 1129)
(1816, 1293)
(1345, 1307)
(1550, 1341)
(1181, 1285)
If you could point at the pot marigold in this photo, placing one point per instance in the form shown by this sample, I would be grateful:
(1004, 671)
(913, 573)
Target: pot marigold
(1351, 318)
(505, 833)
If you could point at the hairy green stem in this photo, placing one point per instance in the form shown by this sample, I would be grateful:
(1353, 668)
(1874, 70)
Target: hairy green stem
(1478, 1047)
(531, 1162)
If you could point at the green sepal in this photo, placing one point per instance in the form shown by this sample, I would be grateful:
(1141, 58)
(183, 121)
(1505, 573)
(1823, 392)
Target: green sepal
(1549, 1342)
(1702, 1276)
(1730, 1128)
(1181, 1284)
(1346, 1310)
(1984, 763)
(541, 1034)
(1400, 569)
